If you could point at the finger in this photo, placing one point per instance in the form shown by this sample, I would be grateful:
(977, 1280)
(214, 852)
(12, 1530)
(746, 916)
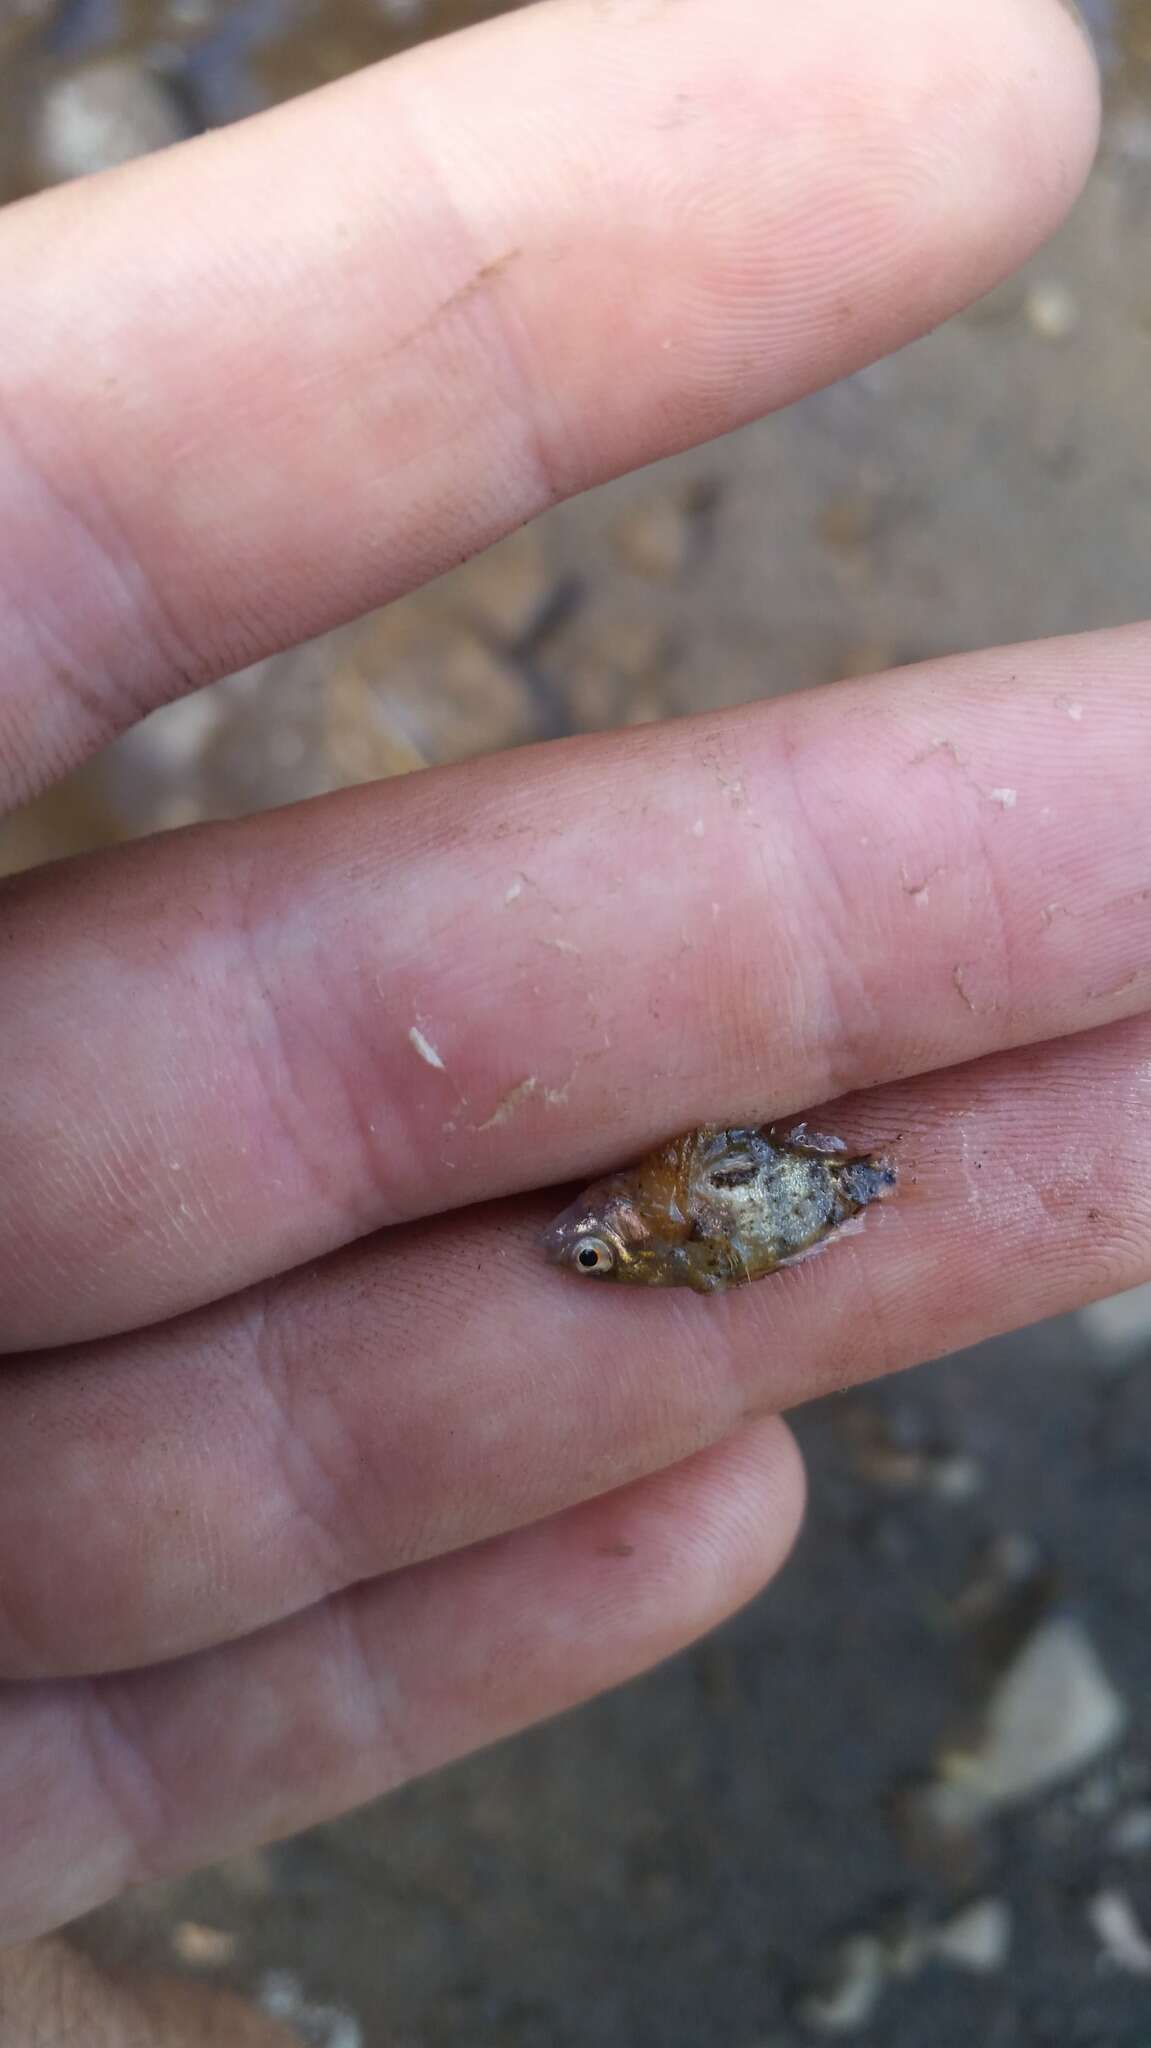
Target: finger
(388, 322)
(105, 1784)
(194, 1483)
(468, 983)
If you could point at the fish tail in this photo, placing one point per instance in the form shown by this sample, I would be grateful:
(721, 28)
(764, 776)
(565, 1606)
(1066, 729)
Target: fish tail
(867, 1180)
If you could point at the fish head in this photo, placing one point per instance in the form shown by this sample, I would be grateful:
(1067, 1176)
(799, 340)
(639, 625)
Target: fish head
(604, 1236)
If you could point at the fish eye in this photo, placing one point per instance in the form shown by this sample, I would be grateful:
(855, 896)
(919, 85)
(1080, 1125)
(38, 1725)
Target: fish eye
(592, 1255)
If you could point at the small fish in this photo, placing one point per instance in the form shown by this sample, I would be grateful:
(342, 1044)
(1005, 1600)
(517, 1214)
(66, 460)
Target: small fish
(719, 1207)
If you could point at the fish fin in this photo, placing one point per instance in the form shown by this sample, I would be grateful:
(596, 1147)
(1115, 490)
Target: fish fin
(818, 1143)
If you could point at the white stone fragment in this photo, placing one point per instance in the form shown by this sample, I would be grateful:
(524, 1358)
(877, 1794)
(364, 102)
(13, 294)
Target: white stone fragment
(977, 1938)
(103, 114)
(1052, 310)
(1122, 1937)
(855, 1981)
(1052, 1714)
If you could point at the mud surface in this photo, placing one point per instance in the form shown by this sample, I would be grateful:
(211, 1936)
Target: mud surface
(677, 1865)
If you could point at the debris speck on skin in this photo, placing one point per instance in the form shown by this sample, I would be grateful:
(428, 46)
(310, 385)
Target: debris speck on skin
(516, 890)
(940, 746)
(960, 990)
(1006, 798)
(425, 1048)
(562, 946)
(697, 829)
(517, 1096)
(1075, 711)
(205, 1948)
(919, 891)
(1121, 1935)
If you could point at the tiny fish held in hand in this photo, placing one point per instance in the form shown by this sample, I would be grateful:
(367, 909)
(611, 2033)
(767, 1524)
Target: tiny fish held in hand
(719, 1207)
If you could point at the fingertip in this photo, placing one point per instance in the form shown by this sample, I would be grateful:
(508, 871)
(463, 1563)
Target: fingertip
(759, 1485)
(1042, 92)
(715, 1529)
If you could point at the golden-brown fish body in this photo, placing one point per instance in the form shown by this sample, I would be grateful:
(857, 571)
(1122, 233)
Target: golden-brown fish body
(719, 1207)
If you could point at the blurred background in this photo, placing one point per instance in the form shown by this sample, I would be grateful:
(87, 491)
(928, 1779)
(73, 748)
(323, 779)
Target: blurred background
(906, 1796)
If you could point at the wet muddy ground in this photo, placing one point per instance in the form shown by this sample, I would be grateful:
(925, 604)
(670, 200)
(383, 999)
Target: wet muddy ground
(761, 1844)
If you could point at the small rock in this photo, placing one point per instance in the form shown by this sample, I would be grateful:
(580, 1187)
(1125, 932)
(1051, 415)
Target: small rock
(850, 1988)
(104, 114)
(204, 1948)
(1121, 1325)
(1052, 1714)
(1052, 310)
(1121, 1935)
(954, 1477)
(320, 2026)
(977, 1938)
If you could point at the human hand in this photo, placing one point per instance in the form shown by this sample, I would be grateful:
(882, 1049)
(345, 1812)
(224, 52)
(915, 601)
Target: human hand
(289, 1511)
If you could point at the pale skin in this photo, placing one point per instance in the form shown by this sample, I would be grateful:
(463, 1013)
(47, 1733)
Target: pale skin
(415, 1490)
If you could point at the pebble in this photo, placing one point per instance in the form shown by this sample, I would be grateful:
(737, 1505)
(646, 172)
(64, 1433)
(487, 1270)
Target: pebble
(976, 1938)
(102, 115)
(852, 1986)
(1121, 1934)
(1052, 310)
(320, 2026)
(203, 1947)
